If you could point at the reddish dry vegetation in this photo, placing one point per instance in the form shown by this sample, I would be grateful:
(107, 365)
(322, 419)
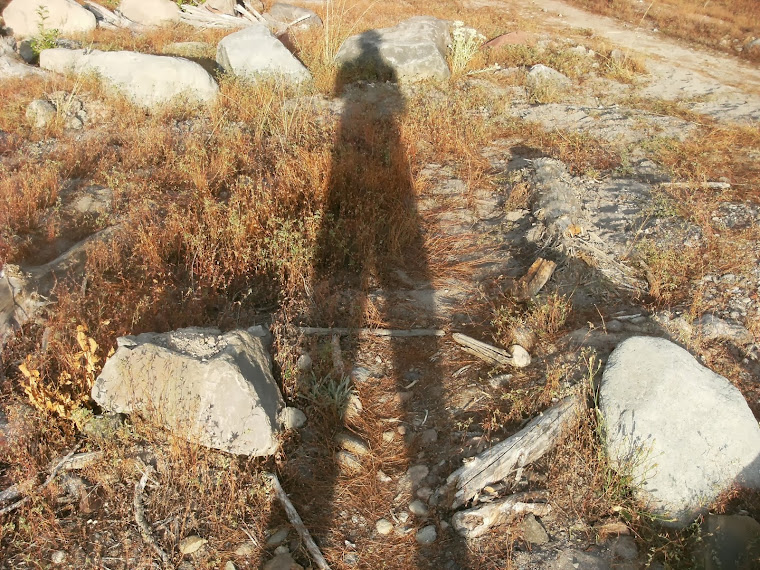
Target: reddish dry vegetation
(719, 24)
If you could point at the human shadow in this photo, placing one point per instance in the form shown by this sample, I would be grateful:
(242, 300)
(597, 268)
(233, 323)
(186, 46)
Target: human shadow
(372, 240)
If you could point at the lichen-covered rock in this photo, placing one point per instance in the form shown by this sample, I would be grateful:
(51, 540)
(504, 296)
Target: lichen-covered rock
(147, 80)
(684, 433)
(413, 50)
(255, 53)
(211, 388)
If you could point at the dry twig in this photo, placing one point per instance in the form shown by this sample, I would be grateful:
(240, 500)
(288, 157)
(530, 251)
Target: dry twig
(295, 520)
(142, 522)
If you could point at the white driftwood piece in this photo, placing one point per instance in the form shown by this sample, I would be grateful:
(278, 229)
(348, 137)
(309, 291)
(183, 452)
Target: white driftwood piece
(111, 20)
(477, 521)
(491, 354)
(523, 448)
(202, 18)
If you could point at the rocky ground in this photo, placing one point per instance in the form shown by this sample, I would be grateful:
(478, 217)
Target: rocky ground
(310, 213)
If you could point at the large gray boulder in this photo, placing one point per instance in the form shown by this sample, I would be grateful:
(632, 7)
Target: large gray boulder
(150, 12)
(147, 80)
(254, 53)
(684, 433)
(413, 50)
(11, 66)
(211, 388)
(66, 16)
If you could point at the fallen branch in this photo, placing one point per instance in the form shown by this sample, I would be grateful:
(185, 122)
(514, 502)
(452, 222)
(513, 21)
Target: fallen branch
(707, 185)
(523, 448)
(536, 277)
(202, 18)
(518, 357)
(110, 20)
(250, 14)
(320, 331)
(477, 521)
(142, 522)
(53, 473)
(295, 520)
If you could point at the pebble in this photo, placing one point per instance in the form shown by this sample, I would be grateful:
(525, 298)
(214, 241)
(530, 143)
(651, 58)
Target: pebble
(401, 430)
(352, 443)
(384, 527)
(245, 549)
(304, 362)
(388, 436)
(283, 561)
(426, 535)
(230, 566)
(292, 418)
(624, 547)
(348, 461)
(428, 437)
(382, 477)
(424, 493)
(191, 544)
(279, 536)
(418, 508)
(58, 557)
(520, 356)
(533, 531)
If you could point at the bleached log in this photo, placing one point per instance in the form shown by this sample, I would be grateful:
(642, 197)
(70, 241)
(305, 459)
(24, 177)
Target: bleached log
(531, 283)
(517, 357)
(477, 521)
(344, 331)
(503, 459)
(202, 18)
(297, 522)
(110, 20)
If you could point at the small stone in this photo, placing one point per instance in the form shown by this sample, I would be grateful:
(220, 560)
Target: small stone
(403, 517)
(614, 326)
(382, 477)
(424, 493)
(352, 444)
(418, 508)
(426, 535)
(58, 557)
(245, 549)
(384, 527)
(348, 461)
(533, 531)
(39, 113)
(351, 558)
(292, 418)
(401, 430)
(230, 565)
(354, 407)
(279, 536)
(624, 547)
(191, 544)
(283, 561)
(416, 474)
(520, 356)
(388, 436)
(428, 437)
(500, 381)
(304, 362)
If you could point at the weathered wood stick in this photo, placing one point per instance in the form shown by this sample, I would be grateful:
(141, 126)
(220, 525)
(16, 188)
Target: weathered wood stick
(53, 473)
(142, 522)
(477, 521)
(536, 277)
(523, 448)
(342, 331)
(295, 520)
(489, 353)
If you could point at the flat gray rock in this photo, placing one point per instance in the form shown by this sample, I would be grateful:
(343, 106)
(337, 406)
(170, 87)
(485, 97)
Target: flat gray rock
(211, 388)
(413, 50)
(684, 433)
(255, 53)
(147, 80)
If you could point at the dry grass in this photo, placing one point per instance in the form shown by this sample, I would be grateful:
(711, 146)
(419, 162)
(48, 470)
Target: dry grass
(261, 207)
(720, 24)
